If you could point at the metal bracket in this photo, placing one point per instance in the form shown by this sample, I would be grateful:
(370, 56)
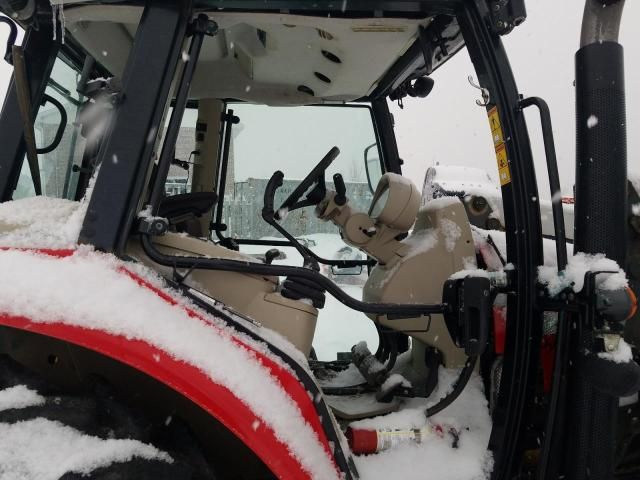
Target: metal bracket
(611, 341)
(506, 15)
(153, 226)
(202, 25)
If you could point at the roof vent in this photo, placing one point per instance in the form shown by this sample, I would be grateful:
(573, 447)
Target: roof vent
(331, 57)
(324, 34)
(322, 77)
(307, 90)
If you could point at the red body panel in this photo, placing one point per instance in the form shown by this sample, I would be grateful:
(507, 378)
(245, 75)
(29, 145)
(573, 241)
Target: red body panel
(499, 328)
(193, 383)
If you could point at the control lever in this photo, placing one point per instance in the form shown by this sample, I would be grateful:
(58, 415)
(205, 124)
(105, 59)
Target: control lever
(269, 216)
(274, 183)
(271, 255)
(341, 190)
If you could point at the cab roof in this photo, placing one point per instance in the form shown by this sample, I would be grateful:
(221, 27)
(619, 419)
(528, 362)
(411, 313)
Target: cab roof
(285, 53)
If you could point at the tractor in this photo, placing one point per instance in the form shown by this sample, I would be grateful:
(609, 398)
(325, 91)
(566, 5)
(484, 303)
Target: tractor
(213, 267)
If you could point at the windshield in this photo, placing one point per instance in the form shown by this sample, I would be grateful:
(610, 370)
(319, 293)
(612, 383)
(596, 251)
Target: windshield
(293, 140)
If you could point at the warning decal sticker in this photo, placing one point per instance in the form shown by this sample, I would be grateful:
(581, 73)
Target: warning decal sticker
(498, 143)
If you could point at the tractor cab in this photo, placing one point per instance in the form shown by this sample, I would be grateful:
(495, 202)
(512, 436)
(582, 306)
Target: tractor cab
(238, 161)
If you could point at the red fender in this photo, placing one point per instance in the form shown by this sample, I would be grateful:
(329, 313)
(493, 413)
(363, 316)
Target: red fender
(191, 382)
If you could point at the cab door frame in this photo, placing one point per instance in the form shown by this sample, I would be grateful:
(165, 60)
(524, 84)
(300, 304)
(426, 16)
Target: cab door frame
(40, 52)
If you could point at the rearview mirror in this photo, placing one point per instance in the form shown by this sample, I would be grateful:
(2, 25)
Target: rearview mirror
(355, 270)
(347, 253)
(372, 165)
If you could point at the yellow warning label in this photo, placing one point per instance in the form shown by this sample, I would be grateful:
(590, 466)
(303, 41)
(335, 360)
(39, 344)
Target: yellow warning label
(496, 128)
(498, 142)
(503, 164)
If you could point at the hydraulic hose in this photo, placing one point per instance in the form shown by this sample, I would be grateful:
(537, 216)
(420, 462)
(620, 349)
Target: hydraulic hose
(395, 310)
(458, 387)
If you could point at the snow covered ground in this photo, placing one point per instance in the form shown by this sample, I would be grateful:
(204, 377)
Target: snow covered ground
(434, 458)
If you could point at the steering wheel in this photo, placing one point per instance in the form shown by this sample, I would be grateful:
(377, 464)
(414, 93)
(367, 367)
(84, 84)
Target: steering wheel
(316, 195)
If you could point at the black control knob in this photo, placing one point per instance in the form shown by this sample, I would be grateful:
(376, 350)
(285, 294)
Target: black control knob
(341, 190)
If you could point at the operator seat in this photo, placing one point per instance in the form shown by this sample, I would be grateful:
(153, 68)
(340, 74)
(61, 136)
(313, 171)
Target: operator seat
(183, 210)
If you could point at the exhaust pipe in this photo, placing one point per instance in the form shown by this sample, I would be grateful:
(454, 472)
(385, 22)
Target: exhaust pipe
(600, 226)
(601, 144)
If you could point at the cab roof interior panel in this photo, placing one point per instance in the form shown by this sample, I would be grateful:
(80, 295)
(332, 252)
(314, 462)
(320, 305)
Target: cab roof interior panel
(272, 58)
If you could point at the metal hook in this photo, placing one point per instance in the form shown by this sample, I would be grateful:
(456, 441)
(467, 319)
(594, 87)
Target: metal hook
(486, 98)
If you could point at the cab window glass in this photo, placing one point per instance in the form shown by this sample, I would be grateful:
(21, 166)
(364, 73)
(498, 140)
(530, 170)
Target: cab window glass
(293, 140)
(181, 170)
(56, 116)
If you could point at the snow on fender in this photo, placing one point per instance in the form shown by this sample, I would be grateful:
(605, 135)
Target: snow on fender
(118, 306)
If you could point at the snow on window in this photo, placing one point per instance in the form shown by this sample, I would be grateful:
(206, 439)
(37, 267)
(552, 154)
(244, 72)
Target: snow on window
(19, 396)
(106, 299)
(42, 449)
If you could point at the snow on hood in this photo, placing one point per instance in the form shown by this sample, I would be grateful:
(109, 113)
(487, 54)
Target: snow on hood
(106, 299)
(41, 222)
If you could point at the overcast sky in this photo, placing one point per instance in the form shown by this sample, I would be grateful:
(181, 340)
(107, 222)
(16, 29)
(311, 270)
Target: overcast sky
(448, 127)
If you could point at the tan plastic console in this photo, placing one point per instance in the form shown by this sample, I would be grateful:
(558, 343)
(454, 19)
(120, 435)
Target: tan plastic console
(440, 245)
(412, 270)
(255, 296)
